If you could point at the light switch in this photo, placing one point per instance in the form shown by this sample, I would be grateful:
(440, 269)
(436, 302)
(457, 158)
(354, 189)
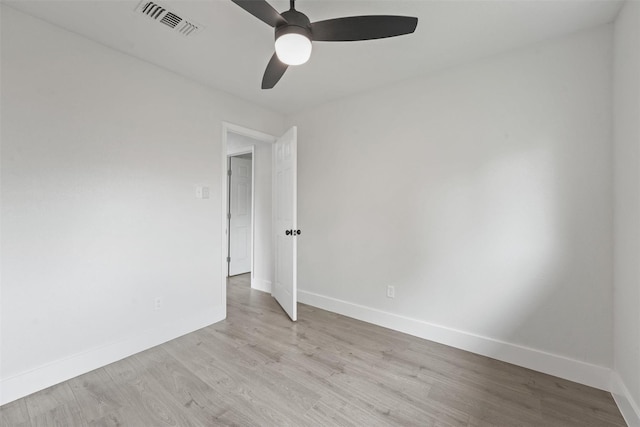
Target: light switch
(202, 192)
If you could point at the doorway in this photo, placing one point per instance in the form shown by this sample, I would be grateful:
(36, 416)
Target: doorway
(271, 230)
(241, 145)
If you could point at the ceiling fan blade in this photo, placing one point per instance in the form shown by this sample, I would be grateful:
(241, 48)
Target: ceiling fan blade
(262, 10)
(354, 28)
(275, 70)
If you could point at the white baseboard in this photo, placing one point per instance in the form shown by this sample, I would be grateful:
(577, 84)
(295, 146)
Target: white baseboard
(37, 379)
(628, 407)
(552, 364)
(261, 285)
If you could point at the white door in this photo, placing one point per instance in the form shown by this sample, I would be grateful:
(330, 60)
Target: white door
(285, 221)
(240, 216)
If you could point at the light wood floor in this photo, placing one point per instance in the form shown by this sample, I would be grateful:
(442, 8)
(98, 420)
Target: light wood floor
(258, 368)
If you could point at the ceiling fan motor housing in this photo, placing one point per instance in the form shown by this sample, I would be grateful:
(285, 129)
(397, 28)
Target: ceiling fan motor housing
(297, 23)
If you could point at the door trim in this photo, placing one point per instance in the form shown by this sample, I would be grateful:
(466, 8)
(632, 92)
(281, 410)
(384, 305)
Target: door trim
(259, 136)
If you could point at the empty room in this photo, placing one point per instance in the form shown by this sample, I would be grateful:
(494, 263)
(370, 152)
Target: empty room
(319, 213)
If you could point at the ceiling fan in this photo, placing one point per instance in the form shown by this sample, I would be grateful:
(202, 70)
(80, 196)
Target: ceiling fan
(294, 33)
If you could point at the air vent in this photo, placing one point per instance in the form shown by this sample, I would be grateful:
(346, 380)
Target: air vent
(171, 19)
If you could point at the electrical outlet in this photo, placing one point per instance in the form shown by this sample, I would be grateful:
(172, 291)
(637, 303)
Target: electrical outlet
(391, 292)
(158, 303)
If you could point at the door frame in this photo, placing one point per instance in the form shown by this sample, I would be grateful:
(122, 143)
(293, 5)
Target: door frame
(253, 134)
(249, 150)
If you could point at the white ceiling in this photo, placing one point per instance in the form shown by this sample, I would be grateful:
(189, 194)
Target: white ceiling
(234, 48)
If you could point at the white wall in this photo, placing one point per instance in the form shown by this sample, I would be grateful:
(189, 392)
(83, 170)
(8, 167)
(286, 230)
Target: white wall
(101, 154)
(262, 274)
(627, 211)
(483, 194)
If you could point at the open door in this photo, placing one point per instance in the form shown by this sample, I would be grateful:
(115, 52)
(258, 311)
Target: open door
(285, 221)
(239, 215)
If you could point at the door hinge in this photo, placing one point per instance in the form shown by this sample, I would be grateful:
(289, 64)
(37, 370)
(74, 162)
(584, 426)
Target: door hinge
(229, 172)
(228, 259)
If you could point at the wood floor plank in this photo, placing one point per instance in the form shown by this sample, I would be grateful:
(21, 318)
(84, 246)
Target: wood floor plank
(235, 378)
(257, 368)
(340, 412)
(483, 406)
(387, 404)
(570, 412)
(145, 394)
(96, 394)
(55, 406)
(199, 400)
(15, 414)
(129, 415)
(60, 416)
(188, 351)
(49, 399)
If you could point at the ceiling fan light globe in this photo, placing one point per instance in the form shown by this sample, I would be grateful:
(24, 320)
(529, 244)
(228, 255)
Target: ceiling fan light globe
(293, 48)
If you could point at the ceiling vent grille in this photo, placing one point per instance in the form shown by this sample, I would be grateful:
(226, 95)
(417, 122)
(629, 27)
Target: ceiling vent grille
(161, 14)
